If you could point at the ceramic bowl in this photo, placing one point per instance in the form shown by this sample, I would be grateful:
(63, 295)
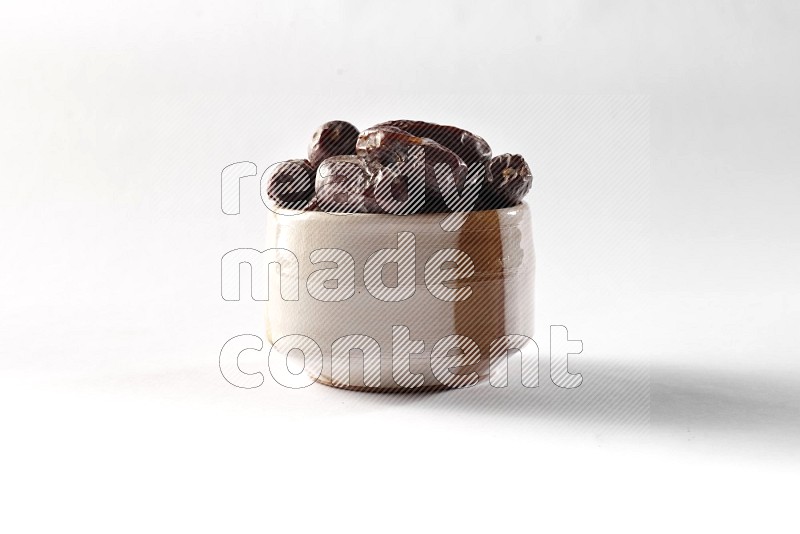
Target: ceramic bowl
(377, 325)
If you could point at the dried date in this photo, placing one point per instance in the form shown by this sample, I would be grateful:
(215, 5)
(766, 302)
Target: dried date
(394, 154)
(472, 149)
(334, 138)
(290, 184)
(508, 180)
(343, 185)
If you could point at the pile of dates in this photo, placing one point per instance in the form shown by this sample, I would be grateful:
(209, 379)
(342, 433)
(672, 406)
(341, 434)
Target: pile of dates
(398, 167)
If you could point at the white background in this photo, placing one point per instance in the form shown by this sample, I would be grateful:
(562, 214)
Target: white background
(664, 142)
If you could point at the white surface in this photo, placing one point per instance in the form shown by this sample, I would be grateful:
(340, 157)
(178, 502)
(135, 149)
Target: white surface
(117, 122)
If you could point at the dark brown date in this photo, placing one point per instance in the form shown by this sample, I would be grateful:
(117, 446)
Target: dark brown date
(334, 138)
(290, 184)
(508, 180)
(343, 185)
(471, 148)
(405, 159)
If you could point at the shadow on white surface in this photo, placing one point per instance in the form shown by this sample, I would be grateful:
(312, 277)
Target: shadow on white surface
(710, 411)
(715, 410)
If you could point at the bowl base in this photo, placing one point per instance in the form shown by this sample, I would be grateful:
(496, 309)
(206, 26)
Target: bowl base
(394, 389)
